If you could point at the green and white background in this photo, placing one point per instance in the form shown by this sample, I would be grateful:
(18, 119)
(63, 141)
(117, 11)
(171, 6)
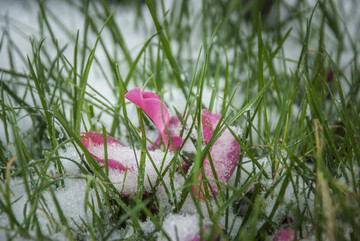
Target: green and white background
(289, 78)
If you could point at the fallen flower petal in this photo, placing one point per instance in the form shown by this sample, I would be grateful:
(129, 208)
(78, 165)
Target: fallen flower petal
(209, 122)
(152, 105)
(224, 154)
(123, 164)
(94, 143)
(174, 128)
(96, 138)
(174, 124)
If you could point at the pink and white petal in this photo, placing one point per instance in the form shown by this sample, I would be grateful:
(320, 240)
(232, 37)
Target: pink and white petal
(224, 154)
(156, 144)
(174, 124)
(176, 141)
(97, 138)
(173, 129)
(94, 143)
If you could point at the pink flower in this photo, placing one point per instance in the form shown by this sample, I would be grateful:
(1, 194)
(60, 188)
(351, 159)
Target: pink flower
(224, 154)
(286, 235)
(152, 105)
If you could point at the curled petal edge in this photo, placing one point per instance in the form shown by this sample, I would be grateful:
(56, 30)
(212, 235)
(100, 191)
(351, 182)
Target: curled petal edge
(152, 105)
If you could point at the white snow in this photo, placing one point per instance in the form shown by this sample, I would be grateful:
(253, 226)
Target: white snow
(152, 168)
(71, 199)
(180, 227)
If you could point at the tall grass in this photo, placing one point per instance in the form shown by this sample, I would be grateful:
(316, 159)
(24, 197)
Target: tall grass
(299, 116)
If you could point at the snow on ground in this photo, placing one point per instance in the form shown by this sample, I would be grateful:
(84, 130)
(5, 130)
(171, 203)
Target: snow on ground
(181, 227)
(70, 197)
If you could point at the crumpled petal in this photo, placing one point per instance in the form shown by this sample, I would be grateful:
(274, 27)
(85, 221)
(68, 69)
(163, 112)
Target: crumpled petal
(94, 143)
(224, 154)
(152, 105)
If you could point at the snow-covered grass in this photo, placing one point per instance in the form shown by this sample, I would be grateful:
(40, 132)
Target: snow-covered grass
(287, 79)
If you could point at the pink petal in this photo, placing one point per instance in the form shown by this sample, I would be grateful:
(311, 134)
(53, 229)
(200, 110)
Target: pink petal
(94, 143)
(209, 122)
(173, 128)
(286, 235)
(96, 138)
(224, 154)
(174, 125)
(152, 105)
